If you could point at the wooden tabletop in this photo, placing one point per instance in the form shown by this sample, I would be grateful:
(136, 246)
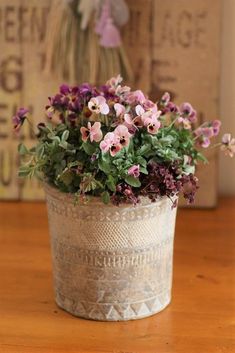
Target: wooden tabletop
(200, 319)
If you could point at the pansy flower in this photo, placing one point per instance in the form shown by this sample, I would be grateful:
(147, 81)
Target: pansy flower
(92, 131)
(204, 134)
(132, 123)
(134, 171)
(19, 118)
(216, 124)
(228, 145)
(184, 122)
(119, 109)
(110, 144)
(165, 99)
(152, 124)
(98, 105)
(187, 111)
(122, 134)
(135, 97)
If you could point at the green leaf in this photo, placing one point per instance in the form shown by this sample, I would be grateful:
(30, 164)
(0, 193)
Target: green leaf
(105, 197)
(22, 149)
(66, 177)
(88, 148)
(24, 171)
(111, 183)
(133, 181)
(201, 157)
(141, 161)
(143, 170)
(65, 135)
(64, 145)
(40, 149)
(144, 150)
(104, 165)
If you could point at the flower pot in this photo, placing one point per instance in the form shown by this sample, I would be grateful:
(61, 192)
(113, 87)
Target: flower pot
(111, 263)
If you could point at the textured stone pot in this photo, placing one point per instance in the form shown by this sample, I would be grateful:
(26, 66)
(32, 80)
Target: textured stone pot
(111, 263)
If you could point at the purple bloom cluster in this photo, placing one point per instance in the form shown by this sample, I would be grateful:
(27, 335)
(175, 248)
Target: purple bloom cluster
(124, 193)
(70, 100)
(164, 180)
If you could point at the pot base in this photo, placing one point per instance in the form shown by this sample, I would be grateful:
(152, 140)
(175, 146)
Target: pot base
(113, 312)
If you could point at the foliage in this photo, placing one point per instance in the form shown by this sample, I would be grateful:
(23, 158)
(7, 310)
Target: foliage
(115, 143)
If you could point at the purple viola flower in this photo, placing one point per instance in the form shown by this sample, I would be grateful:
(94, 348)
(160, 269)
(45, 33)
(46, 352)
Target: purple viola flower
(85, 88)
(65, 89)
(107, 93)
(19, 118)
(76, 105)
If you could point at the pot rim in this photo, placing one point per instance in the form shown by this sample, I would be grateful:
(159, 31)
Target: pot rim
(96, 201)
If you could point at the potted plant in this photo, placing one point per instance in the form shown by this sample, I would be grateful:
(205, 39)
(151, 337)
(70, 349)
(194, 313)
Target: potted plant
(113, 164)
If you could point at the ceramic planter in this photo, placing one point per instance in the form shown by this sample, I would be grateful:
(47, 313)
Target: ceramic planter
(111, 263)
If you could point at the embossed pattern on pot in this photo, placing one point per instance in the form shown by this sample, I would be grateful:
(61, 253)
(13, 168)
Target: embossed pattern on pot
(111, 263)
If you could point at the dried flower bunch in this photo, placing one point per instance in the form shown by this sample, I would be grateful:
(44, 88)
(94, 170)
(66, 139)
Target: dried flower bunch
(117, 144)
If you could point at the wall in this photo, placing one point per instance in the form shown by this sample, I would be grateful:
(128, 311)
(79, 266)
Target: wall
(227, 94)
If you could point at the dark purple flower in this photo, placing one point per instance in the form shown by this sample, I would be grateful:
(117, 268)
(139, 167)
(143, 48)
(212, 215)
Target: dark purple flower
(65, 89)
(85, 88)
(76, 105)
(108, 94)
(19, 118)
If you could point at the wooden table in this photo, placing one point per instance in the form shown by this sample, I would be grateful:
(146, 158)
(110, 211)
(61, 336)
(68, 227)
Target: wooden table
(200, 319)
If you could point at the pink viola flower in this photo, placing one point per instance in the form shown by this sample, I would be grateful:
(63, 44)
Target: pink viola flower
(216, 124)
(171, 108)
(119, 109)
(147, 113)
(149, 106)
(152, 124)
(122, 90)
(98, 105)
(92, 131)
(132, 123)
(134, 171)
(185, 122)
(122, 134)
(187, 111)
(110, 144)
(115, 87)
(141, 113)
(114, 81)
(165, 99)
(228, 145)
(204, 134)
(136, 97)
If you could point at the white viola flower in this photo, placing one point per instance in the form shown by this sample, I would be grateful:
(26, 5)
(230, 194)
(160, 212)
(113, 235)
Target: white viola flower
(98, 105)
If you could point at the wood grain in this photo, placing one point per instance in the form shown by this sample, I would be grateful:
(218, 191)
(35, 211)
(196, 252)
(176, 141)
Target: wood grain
(199, 319)
(186, 63)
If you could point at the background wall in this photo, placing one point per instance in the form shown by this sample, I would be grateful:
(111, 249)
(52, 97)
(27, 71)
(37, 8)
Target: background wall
(227, 93)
